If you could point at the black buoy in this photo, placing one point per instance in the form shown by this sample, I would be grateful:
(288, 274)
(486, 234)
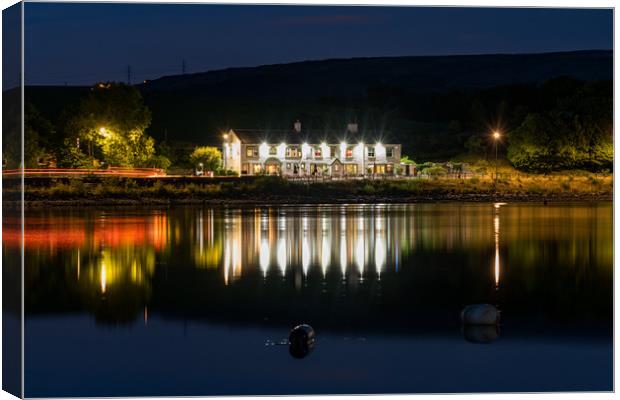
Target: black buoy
(301, 341)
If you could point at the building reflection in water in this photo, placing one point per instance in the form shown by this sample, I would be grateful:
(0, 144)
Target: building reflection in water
(106, 254)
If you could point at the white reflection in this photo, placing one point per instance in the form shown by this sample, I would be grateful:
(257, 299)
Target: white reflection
(282, 254)
(325, 253)
(359, 253)
(324, 224)
(379, 253)
(305, 254)
(265, 254)
(343, 253)
(200, 229)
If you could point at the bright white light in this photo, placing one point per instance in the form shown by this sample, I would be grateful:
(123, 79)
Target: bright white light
(264, 255)
(281, 150)
(263, 150)
(379, 254)
(305, 150)
(325, 253)
(103, 278)
(282, 255)
(343, 253)
(305, 254)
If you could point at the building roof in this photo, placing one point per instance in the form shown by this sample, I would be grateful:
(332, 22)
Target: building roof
(277, 136)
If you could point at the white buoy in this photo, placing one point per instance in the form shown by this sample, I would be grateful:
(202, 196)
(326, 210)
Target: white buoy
(480, 314)
(480, 333)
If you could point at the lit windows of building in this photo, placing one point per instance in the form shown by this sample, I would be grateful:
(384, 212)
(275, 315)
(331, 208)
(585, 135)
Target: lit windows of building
(302, 152)
(251, 151)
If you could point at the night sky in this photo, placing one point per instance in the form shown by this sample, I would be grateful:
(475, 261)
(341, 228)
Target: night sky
(85, 43)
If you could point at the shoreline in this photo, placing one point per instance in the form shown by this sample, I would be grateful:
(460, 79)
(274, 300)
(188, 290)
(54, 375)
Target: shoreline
(303, 200)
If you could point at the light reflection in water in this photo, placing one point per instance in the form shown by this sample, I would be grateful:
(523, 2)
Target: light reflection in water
(496, 209)
(103, 278)
(110, 250)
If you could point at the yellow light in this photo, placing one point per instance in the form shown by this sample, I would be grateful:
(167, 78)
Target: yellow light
(103, 278)
(225, 136)
(496, 135)
(103, 131)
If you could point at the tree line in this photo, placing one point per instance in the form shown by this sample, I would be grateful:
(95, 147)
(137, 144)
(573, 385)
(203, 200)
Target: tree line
(561, 124)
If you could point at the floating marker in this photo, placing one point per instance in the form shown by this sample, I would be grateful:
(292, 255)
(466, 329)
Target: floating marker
(480, 314)
(480, 333)
(301, 341)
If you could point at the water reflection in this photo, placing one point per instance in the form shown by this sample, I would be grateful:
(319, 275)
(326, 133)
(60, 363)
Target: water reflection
(213, 283)
(99, 256)
(496, 208)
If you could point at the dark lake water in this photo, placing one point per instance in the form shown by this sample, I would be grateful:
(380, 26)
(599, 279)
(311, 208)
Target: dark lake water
(196, 301)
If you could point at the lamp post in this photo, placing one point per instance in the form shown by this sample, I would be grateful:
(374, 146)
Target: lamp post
(496, 136)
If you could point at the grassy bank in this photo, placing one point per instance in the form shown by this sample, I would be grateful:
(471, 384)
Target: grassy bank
(523, 187)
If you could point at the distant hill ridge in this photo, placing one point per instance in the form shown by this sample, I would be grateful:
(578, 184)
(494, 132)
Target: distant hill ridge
(353, 76)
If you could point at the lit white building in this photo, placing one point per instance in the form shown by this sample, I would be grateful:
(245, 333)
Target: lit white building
(306, 153)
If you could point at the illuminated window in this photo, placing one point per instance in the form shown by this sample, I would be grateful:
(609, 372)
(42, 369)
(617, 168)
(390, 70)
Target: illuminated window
(389, 152)
(351, 169)
(293, 152)
(371, 151)
(244, 168)
(318, 153)
(303, 166)
(251, 151)
(273, 150)
(333, 150)
(349, 152)
(288, 165)
(336, 167)
(257, 168)
(389, 168)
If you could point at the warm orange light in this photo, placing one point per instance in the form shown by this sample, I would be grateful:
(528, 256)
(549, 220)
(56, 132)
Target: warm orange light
(496, 135)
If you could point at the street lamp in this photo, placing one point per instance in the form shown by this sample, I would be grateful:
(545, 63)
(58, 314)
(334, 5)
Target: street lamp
(496, 137)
